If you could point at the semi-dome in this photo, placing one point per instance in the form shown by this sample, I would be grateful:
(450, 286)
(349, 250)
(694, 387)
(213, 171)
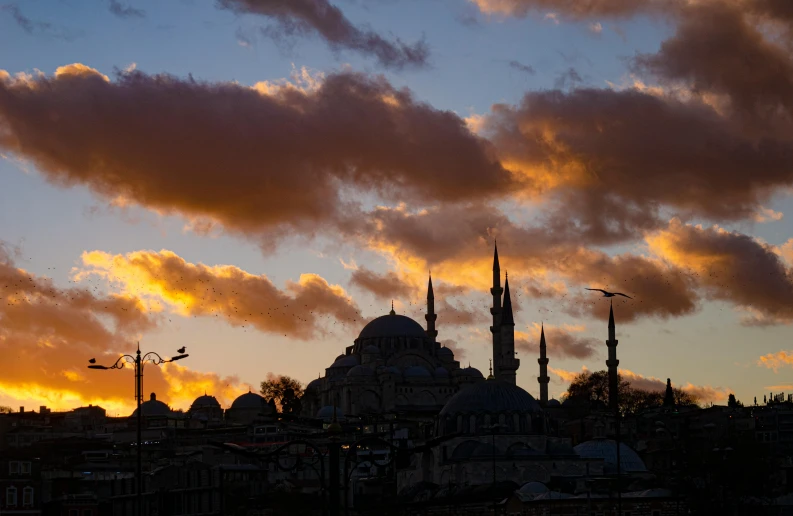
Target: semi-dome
(315, 384)
(153, 407)
(417, 372)
(345, 361)
(205, 402)
(249, 400)
(441, 372)
(554, 403)
(606, 449)
(533, 488)
(444, 351)
(392, 326)
(327, 411)
(361, 370)
(490, 397)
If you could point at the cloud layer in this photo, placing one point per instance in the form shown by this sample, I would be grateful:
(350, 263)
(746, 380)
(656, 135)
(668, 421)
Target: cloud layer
(47, 335)
(302, 310)
(320, 17)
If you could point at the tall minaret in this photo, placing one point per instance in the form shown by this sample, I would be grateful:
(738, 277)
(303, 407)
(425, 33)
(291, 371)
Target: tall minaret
(612, 363)
(430, 316)
(508, 366)
(495, 311)
(543, 361)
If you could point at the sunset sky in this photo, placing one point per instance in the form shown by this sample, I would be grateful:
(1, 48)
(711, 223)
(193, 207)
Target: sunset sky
(256, 179)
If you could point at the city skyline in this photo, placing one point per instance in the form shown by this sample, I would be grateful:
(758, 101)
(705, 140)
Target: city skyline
(256, 184)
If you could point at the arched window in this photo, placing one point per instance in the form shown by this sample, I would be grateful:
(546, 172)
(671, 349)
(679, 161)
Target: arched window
(27, 496)
(11, 497)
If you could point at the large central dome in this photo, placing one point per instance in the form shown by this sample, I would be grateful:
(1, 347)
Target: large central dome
(392, 326)
(493, 397)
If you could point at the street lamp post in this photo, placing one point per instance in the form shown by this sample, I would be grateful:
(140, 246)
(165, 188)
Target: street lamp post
(138, 361)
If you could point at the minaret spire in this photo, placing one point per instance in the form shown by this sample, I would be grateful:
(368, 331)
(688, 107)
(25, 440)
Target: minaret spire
(495, 311)
(508, 364)
(392, 312)
(543, 361)
(430, 316)
(612, 362)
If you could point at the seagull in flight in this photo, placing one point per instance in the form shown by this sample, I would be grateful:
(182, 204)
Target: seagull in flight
(610, 294)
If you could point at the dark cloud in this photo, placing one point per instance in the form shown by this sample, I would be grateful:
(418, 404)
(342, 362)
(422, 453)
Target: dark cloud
(568, 79)
(718, 50)
(561, 342)
(327, 20)
(382, 286)
(275, 159)
(732, 267)
(37, 27)
(638, 151)
(122, 11)
(517, 65)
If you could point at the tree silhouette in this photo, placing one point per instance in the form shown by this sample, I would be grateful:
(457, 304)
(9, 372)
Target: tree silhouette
(592, 388)
(285, 391)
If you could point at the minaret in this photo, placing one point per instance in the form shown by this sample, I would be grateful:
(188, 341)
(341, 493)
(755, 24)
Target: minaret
(495, 311)
(430, 316)
(669, 395)
(508, 365)
(543, 361)
(612, 363)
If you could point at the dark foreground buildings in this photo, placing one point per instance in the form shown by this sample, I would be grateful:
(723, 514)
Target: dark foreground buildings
(397, 426)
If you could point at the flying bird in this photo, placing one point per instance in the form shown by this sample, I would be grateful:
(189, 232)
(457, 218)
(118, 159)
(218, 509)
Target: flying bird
(610, 294)
(92, 361)
(181, 350)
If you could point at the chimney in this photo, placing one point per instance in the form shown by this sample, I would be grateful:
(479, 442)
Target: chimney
(21, 410)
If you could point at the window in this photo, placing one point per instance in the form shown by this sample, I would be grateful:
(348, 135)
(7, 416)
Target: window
(27, 496)
(11, 497)
(25, 467)
(13, 467)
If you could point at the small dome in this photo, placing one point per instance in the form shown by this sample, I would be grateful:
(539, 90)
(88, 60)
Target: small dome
(417, 372)
(345, 361)
(490, 397)
(153, 407)
(371, 350)
(205, 402)
(392, 326)
(361, 370)
(533, 488)
(315, 384)
(471, 372)
(249, 400)
(441, 372)
(606, 449)
(554, 403)
(444, 351)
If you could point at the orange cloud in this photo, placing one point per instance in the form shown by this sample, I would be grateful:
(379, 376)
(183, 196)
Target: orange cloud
(240, 298)
(731, 267)
(776, 361)
(48, 333)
